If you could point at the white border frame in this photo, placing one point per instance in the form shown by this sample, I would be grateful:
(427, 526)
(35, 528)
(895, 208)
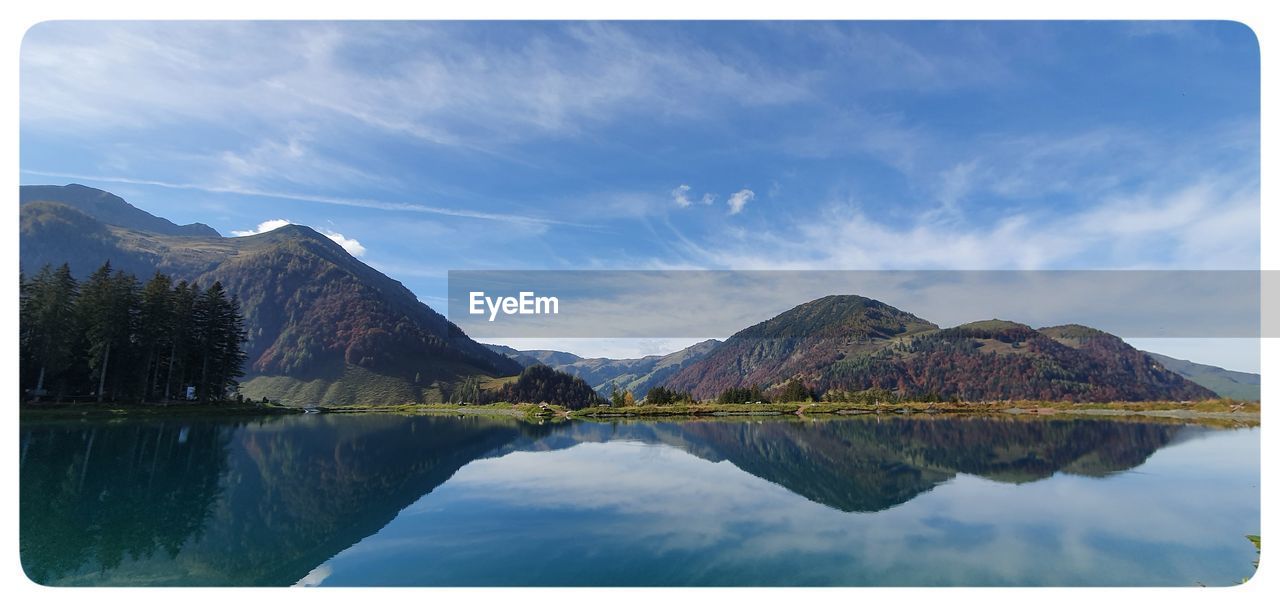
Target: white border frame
(18, 590)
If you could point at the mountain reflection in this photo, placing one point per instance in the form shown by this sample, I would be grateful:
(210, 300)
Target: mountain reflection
(873, 464)
(265, 502)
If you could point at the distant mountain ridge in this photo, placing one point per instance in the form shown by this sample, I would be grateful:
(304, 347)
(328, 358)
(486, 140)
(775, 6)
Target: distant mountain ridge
(852, 343)
(638, 375)
(110, 209)
(528, 358)
(324, 327)
(1226, 383)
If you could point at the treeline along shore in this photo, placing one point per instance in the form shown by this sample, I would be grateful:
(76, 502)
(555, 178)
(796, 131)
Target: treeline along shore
(114, 339)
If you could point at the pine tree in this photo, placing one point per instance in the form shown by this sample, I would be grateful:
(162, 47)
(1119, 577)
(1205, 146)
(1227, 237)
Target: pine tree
(46, 325)
(231, 356)
(181, 338)
(119, 340)
(661, 395)
(107, 308)
(126, 306)
(155, 329)
(218, 331)
(795, 392)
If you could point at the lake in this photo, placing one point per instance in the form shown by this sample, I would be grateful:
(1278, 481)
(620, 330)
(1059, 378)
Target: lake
(358, 500)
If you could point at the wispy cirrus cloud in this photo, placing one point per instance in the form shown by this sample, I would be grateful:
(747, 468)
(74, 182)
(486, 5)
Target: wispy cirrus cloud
(291, 159)
(364, 203)
(454, 88)
(1210, 223)
(877, 145)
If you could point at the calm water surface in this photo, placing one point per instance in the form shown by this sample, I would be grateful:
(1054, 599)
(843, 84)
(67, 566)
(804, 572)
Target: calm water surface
(392, 500)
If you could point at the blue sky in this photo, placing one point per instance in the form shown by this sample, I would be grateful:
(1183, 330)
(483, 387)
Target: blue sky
(882, 145)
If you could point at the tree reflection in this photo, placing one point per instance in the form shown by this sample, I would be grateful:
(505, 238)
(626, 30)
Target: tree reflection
(93, 495)
(265, 502)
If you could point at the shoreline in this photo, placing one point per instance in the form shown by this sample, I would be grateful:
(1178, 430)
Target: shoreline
(1216, 412)
(1220, 411)
(72, 411)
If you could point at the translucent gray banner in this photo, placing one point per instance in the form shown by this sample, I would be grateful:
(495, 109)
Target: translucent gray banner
(670, 304)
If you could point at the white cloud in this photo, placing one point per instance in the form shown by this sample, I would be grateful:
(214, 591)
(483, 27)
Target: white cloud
(266, 226)
(681, 195)
(351, 245)
(739, 199)
(706, 506)
(1211, 223)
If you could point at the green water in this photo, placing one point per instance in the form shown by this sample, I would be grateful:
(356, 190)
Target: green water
(439, 501)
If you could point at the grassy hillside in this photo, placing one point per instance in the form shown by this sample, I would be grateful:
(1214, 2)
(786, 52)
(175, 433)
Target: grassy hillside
(354, 385)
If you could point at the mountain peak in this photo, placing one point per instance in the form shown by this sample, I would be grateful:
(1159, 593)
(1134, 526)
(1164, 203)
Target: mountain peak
(299, 229)
(852, 316)
(995, 324)
(1073, 331)
(290, 230)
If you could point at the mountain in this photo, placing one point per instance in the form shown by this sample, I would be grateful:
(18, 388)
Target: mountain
(323, 327)
(514, 354)
(528, 358)
(1225, 383)
(52, 232)
(800, 342)
(851, 343)
(110, 209)
(635, 374)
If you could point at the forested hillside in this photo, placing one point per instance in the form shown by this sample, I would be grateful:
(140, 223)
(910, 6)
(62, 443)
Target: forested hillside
(849, 344)
(321, 326)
